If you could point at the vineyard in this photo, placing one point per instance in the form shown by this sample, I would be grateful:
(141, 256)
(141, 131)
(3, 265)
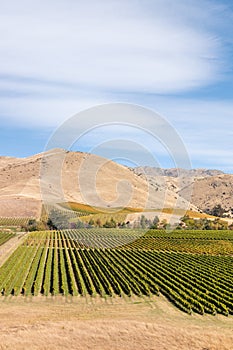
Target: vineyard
(193, 269)
(75, 212)
(70, 214)
(5, 236)
(102, 218)
(190, 241)
(13, 221)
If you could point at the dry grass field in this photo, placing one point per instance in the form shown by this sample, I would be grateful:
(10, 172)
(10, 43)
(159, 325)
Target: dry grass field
(108, 324)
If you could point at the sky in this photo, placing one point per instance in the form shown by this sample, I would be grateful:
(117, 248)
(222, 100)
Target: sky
(58, 58)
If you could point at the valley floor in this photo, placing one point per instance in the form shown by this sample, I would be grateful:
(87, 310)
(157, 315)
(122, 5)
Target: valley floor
(108, 324)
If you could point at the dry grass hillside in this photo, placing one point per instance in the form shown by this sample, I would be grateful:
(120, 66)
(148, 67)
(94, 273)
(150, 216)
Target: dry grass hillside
(203, 187)
(210, 191)
(59, 176)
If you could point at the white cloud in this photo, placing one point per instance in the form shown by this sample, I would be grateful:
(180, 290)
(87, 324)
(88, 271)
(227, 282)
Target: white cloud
(59, 57)
(51, 112)
(127, 46)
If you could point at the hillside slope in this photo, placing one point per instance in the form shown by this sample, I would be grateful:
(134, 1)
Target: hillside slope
(208, 187)
(211, 191)
(58, 175)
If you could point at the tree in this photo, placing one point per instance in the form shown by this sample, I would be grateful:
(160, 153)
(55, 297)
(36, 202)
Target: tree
(110, 224)
(58, 220)
(217, 210)
(33, 225)
(164, 223)
(98, 222)
(155, 223)
(80, 224)
(91, 223)
(143, 221)
(122, 225)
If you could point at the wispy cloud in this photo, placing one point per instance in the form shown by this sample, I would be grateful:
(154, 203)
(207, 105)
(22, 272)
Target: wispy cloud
(137, 47)
(55, 53)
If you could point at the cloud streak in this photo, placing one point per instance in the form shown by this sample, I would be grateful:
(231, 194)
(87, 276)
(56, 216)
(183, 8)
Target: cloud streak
(141, 49)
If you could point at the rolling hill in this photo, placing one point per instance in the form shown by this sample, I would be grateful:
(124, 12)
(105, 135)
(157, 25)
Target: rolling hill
(59, 176)
(208, 187)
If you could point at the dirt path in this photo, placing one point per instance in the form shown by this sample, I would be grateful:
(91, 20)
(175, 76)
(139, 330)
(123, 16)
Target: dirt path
(107, 324)
(7, 248)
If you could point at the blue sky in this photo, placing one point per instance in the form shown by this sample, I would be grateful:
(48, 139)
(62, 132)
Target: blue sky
(174, 57)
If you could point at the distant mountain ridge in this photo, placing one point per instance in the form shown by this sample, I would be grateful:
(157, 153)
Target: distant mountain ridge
(209, 187)
(175, 172)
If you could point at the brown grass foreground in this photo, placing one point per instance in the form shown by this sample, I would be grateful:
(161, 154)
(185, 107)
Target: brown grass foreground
(108, 324)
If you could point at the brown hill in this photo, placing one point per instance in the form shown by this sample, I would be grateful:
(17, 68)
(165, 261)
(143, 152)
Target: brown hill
(211, 191)
(208, 187)
(58, 176)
